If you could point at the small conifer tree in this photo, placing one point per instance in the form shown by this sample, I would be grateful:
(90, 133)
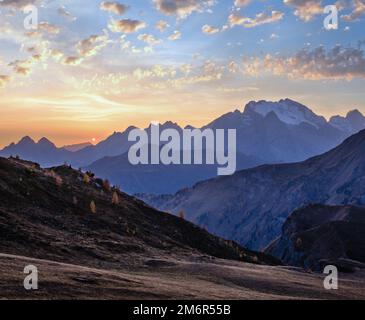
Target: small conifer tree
(106, 185)
(93, 207)
(115, 198)
(86, 178)
(182, 215)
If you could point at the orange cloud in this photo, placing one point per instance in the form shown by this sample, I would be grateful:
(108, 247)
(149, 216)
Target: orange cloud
(176, 35)
(126, 25)
(182, 8)
(261, 18)
(305, 9)
(209, 29)
(113, 7)
(4, 79)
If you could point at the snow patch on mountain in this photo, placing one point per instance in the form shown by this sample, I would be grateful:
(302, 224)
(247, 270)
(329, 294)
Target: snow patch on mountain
(288, 111)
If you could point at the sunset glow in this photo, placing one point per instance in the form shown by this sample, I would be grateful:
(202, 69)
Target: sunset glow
(90, 70)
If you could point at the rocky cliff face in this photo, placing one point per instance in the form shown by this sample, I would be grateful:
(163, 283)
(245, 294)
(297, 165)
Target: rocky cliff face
(320, 235)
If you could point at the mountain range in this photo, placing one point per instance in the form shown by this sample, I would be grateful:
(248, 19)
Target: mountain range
(92, 241)
(100, 241)
(267, 133)
(252, 205)
(47, 154)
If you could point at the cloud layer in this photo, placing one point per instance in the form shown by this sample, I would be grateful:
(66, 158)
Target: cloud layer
(126, 25)
(339, 63)
(357, 12)
(260, 19)
(182, 8)
(114, 7)
(16, 4)
(306, 9)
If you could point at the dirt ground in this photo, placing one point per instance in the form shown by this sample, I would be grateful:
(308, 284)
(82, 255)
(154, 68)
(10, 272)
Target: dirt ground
(220, 279)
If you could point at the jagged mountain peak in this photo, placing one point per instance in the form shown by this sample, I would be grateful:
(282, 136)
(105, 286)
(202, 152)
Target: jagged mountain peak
(169, 125)
(356, 119)
(287, 110)
(26, 140)
(46, 142)
(165, 125)
(355, 113)
(130, 128)
(189, 127)
(352, 123)
(236, 112)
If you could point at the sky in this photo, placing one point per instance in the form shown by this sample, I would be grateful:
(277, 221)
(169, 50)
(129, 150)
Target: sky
(94, 67)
